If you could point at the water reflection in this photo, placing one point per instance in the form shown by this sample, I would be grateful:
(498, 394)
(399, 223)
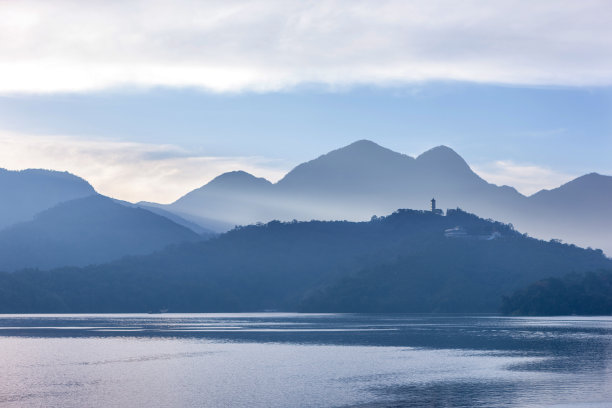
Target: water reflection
(448, 394)
(284, 360)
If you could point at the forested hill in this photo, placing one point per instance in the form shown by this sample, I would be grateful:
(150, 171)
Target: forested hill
(401, 263)
(574, 294)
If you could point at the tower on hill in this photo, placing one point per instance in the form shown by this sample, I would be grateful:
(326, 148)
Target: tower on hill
(434, 209)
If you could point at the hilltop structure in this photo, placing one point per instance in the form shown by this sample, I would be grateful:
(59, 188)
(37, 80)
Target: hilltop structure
(434, 209)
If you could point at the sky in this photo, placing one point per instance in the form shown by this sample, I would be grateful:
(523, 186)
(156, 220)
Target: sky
(150, 99)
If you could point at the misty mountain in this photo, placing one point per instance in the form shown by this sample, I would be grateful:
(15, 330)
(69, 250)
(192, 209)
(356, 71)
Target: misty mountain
(405, 262)
(361, 166)
(203, 224)
(579, 212)
(591, 192)
(232, 198)
(363, 179)
(28, 192)
(84, 231)
(351, 183)
(195, 227)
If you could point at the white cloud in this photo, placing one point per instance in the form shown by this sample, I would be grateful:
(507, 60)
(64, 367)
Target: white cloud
(255, 45)
(526, 178)
(128, 171)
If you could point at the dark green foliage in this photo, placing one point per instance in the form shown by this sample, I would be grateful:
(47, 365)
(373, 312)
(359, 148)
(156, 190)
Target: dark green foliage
(577, 293)
(399, 263)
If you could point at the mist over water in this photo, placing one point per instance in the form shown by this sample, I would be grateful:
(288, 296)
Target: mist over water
(297, 360)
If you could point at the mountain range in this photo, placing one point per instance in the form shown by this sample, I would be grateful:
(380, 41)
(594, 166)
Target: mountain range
(89, 230)
(50, 219)
(364, 179)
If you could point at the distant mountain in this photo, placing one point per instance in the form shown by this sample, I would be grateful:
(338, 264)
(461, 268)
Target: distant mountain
(363, 179)
(405, 262)
(351, 183)
(28, 192)
(232, 198)
(591, 193)
(84, 231)
(361, 166)
(195, 227)
(579, 212)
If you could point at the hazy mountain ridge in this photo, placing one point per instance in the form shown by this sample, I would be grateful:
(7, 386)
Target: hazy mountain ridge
(352, 183)
(591, 191)
(27, 192)
(352, 163)
(363, 179)
(174, 217)
(578, 212)
(50, 219)
(88, 230)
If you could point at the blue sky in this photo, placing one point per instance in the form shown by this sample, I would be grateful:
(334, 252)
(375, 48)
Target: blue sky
(569, 129)
(147, 109)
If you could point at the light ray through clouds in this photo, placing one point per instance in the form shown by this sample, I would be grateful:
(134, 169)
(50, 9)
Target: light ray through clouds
(129, 171)
(270, 45)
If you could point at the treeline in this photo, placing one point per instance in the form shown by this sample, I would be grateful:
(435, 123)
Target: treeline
(576, 293)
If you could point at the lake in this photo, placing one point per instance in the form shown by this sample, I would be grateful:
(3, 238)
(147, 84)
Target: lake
(304, 360)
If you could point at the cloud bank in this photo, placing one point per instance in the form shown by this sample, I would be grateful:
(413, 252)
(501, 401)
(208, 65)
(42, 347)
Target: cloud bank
(233, 46)
(128, 171)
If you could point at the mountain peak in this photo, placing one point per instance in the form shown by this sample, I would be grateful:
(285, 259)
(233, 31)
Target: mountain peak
(28, 192)
(237, 179)
(443, 158)
(582, 186)
(363, 144)
(232, 182)
(364, 148)
(592, 176)
(439, 152)
(591, 180)
(45, 177)
(354, 166)
(234, 175)
(356, 153)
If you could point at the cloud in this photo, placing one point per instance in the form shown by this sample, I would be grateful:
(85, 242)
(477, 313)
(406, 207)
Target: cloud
(232, 46)
(128, 171)
(526, 178)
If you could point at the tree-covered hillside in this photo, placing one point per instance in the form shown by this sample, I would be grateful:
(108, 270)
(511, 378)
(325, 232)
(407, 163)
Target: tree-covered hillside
(399, 263)
(577, 293)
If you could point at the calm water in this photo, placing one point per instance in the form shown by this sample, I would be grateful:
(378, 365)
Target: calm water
(294, 360)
